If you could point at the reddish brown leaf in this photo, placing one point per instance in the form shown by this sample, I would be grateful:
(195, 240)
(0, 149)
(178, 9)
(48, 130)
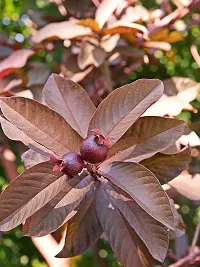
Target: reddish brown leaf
(129, 51)
(179, 224)
(9, 83)
(71, 101)
(122, 27)
(38, 75)
(41, 124)
(29, 192)
(31, 158)
(125, 243)
(143, 187)
(105, 10)
(124, 106)
(62, 30)
(14, 133)
(60, 209)
(83, 229)
(187, 185)
(16, 60)
(167, 167)
(150, 135)
(148, 229)
(90, 55)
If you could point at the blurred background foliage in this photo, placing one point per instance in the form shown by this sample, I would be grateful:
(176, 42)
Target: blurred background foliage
(16, 21)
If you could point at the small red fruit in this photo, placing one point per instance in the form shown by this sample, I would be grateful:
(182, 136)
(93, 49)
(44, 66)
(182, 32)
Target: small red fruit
(70, 164)
(94, 149)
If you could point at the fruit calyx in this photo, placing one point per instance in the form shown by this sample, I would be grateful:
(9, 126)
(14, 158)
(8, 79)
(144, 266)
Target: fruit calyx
(70, 164)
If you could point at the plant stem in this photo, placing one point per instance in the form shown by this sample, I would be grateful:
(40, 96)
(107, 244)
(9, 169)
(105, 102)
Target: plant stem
(107, 76)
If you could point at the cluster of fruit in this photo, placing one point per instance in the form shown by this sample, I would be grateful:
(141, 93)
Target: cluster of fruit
(94, 149)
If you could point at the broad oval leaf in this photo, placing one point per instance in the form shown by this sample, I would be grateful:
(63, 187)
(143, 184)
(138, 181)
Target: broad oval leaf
(167, 167)
(16, 60)
(105, 10)
(83, 229)
(14, 133)
(41, 124)
(187, 185)
(148, 136)
(125, 243)
(62, 30)
(147, 228)
(143, 187)
(71, 101)
(60, 209)
(31, 158)
(29, 192)
(124, 106)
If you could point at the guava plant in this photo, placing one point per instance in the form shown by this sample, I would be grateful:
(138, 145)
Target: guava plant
(98, 169)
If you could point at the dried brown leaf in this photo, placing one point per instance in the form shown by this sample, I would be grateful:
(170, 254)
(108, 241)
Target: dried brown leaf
(71, 101)
(41, 124)
(29, 192)
(124, 106)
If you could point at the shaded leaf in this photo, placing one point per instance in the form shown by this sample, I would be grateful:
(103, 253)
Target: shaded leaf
(71, 101)
(90, 55)
(124, 106)
(60, 209)
(148, 229)
(16, 60)
(83, 229)
(122, 27)
(9, 83)
(14, 133)
(130, 51)
(126, 245)
(187, 185)
(105, 10)
(41, 124)
(150, 135)
(143, 187)
(62, 30)
(31, 158)
(179, 224)
(167, 167)
(38, 76)
(29, 192)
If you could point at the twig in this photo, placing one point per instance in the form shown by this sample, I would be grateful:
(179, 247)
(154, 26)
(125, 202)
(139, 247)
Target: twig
(195, 238)
(192, 254)
(195, 54)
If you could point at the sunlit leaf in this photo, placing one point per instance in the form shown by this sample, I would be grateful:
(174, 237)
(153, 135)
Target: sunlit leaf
(29, 192)
(124, 106)
(41, 124)
(71, 101)
(60, 209)
(143, 187)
